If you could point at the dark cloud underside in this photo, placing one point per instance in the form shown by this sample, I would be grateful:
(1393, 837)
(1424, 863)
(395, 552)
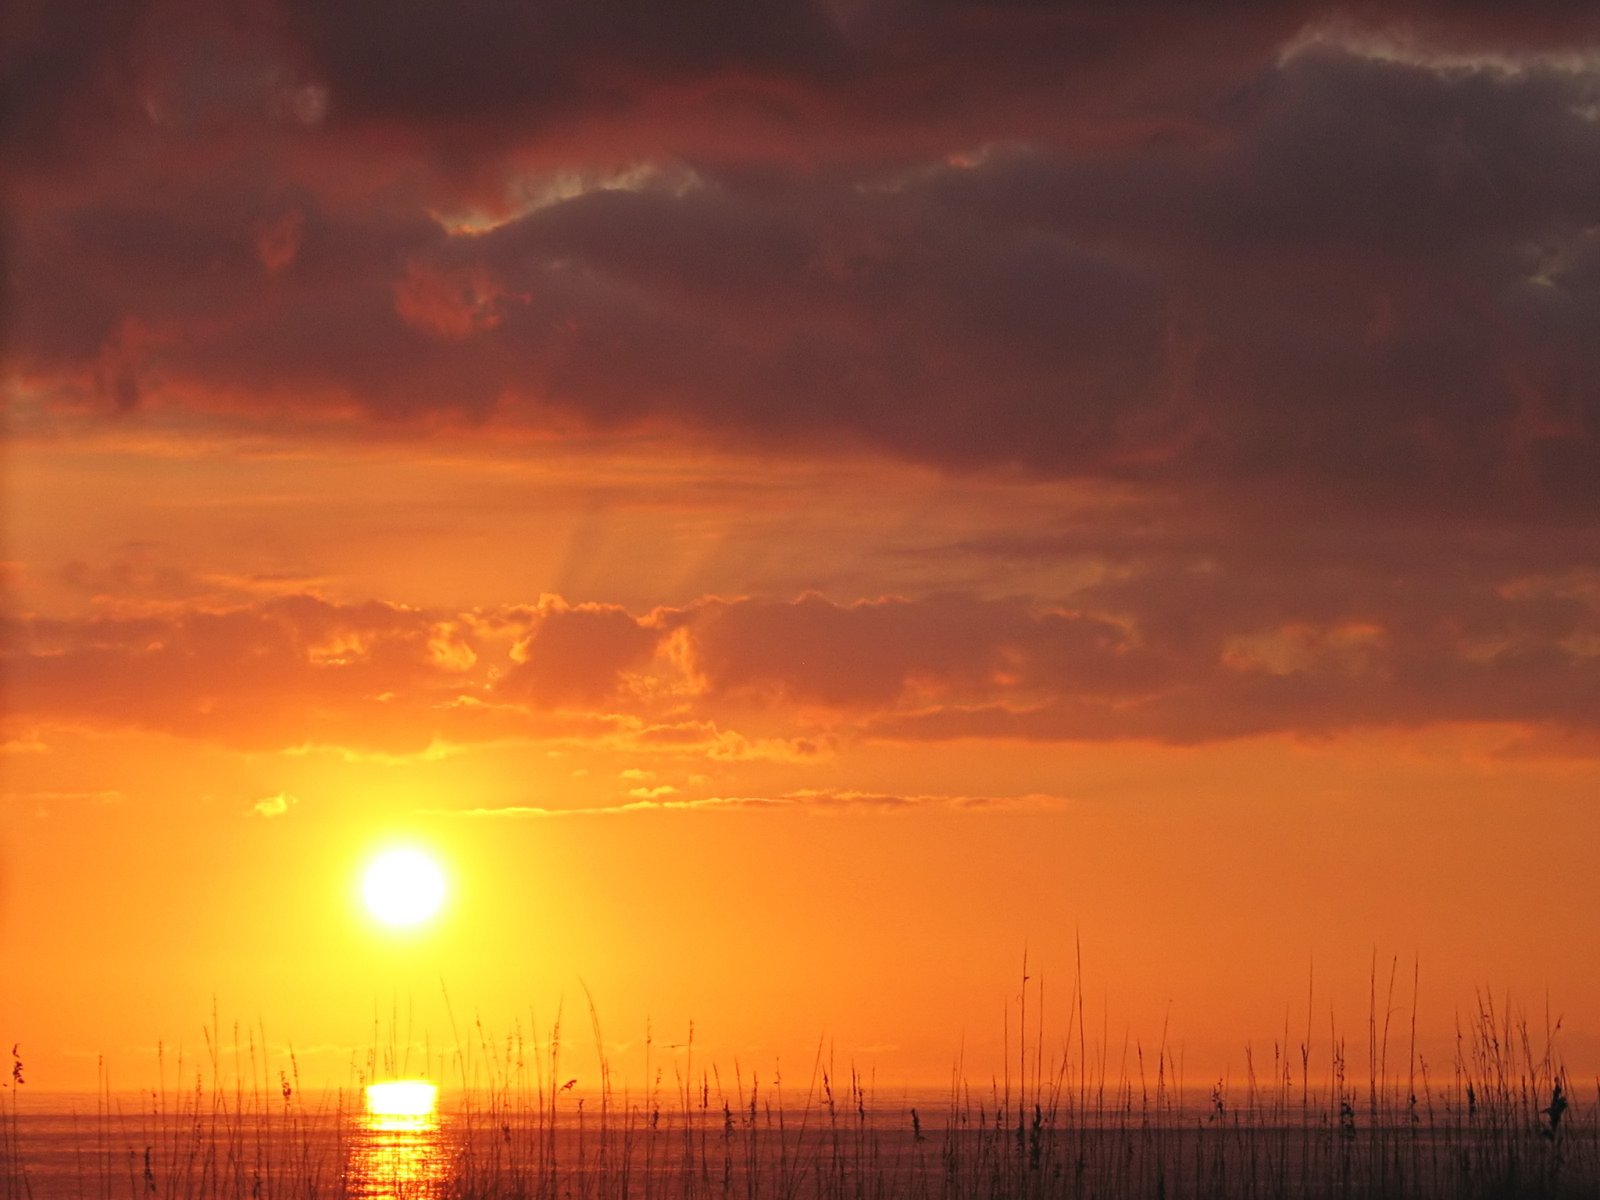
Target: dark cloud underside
(1336, 262)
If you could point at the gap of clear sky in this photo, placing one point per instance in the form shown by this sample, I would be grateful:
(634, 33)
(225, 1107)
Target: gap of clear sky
(795, 504)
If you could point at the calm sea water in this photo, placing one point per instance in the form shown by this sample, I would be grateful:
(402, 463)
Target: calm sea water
(327, 1147)
(86, 1147)
(132, 1147)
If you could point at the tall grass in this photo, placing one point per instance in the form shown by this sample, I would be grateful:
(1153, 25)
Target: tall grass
(1064, 1119)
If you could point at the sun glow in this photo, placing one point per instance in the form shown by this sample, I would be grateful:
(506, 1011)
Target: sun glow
(401, 1098)
(403, 887)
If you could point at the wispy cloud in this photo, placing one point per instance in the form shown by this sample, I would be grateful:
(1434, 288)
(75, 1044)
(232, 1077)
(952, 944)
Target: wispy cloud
(818, 799)
(274, 806)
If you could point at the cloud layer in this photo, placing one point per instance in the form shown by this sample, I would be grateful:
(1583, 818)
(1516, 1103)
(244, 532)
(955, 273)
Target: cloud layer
(1240, 248)
(1315, 286)
(1186, 657)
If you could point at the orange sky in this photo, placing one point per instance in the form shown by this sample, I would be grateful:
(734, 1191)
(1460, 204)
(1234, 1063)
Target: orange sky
(792, 539)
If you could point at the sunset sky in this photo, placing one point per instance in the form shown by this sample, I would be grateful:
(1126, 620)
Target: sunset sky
(796, 506)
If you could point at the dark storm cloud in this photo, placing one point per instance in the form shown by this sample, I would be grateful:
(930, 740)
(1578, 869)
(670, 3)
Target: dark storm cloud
(1361, 267)
(56, 61)
(1378, 269)
(490, 60)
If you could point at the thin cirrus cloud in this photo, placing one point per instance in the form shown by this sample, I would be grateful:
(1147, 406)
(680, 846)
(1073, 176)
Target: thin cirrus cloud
(810, 799)
(1324, 262)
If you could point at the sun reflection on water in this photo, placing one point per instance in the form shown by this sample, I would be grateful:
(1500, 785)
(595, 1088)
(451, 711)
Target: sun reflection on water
(397, 1150)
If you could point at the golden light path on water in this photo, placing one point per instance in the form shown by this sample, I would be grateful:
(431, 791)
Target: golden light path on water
(398, 1150)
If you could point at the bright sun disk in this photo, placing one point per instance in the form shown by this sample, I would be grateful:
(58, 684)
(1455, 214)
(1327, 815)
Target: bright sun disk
(403, 887)
(401, 1098)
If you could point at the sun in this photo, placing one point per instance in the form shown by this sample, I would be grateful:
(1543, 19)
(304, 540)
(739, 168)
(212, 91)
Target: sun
(403, 887)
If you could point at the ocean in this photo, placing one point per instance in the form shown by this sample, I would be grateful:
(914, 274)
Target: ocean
(693, 1144)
